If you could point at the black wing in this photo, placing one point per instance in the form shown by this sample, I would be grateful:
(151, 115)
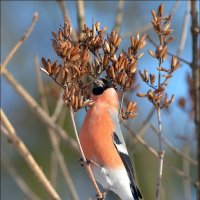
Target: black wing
(129, 168)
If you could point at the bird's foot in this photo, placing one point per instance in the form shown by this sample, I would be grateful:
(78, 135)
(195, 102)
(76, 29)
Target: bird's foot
(84, 162)
(87, 162)
(101, 197)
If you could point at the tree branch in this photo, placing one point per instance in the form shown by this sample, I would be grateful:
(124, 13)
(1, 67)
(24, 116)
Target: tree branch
(119, 15)
(21, 41)
(25, 153)
(195, 77)
(43, 116)
(87, 166)
(53, 138)
(81, 15)
(18, 179)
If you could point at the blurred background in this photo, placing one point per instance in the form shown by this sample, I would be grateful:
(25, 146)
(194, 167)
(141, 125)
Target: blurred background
(177, 122)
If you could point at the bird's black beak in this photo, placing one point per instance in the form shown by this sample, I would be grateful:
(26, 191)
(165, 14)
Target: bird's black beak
(98, 83)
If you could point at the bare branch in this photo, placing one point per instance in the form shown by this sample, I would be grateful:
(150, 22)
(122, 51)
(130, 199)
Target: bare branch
(170, 54)
(174, 149)
(81, 14)
(25, 153)
(160, 156)
(154, 152)
(21, 41)
(43, 116)
(87, 166)
(119, 15)
(55, 141)
(186, 169)
(66, 17)
(184, 30)
(18, 179)
(195, 77)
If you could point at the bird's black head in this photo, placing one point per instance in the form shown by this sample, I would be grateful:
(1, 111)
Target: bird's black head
(100, 85)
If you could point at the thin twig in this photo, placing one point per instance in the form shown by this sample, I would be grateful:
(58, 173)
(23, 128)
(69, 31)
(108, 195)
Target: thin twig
(154, 152)
(43, 116)
(174, 149)
(58, 108)
(195, 77)
(148, 26)
(142, 29)
(184, 30)
(145, 123)
(160, 156)
(66, 17)
(22, 149)
(53, 169)
(18, 179)
(186, 169)
(121, 104)
(81, 15)
(87, 166)
(54, 140)
(119, 15)
(170, 54)
(21, 41)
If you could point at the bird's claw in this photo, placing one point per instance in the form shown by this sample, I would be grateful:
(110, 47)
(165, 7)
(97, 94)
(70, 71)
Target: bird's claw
(103, 196)
(84, 163)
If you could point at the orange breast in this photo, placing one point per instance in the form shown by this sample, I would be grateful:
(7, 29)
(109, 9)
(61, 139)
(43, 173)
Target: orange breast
(96, 137)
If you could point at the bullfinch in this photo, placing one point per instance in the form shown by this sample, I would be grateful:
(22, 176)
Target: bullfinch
(103, 143)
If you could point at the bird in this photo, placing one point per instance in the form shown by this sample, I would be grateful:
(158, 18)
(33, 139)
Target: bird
(103, 143)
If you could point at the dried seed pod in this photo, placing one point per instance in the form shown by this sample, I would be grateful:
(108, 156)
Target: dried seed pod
(118, 41)
(54, 35)
(152, 78)
(162, 69)
(97, 25)
(168, 32)
(74, 58)
(54, 65)
(142, 75)
(129, 106)
(159, 90)
(141, 95)
(167, 76)
(143, 38)
(166, 100)
(56, 71)
(75, 50)
(132, 41)
(107, 46)
(152, 54)
(169, 40)
(140, 55)
(44, 62)
(87, 32)
(141, 45)
(166, 26)
(60, 34)
(146, 75)
(154, 15)
(164, 51)
(54, 45)
(171, 100)
(160, 10)
(48, 66)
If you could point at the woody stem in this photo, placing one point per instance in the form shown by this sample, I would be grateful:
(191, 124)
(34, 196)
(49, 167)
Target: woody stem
(87, 167)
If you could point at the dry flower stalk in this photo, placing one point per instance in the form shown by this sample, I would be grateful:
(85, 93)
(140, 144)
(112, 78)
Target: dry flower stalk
(156, 95)
(92, 55)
